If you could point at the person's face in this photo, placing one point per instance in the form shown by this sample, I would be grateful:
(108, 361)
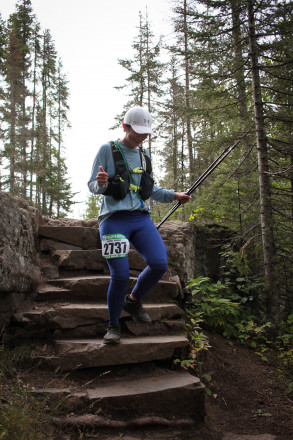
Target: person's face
(133, 139)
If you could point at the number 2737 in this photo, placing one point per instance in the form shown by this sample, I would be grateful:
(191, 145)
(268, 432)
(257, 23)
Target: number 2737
(115, 247)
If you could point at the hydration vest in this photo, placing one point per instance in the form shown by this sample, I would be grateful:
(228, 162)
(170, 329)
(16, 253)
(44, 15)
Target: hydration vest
(121, 183)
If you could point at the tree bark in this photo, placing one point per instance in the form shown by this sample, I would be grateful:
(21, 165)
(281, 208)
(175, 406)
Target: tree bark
(187, 99)
(33, 116)
(266, 216)
(239, 61)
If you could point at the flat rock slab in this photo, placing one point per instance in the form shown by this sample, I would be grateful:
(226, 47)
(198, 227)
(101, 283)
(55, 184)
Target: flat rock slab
(87, 353)
(143, 386)
(163, 327)
(86, 238)
(44, 289)
(231, 436)
(70, 316)
(92, 259)
(95, 287)
(170, 394)
(47, 244)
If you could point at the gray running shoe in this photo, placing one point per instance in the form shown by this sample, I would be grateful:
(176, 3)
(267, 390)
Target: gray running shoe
(113, 335)
(135, 309)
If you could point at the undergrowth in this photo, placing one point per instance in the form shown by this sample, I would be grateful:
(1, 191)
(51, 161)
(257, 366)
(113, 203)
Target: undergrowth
(23, 416)
(231, 307)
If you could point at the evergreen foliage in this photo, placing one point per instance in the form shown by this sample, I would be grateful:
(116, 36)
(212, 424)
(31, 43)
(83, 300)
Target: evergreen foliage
(92, 206)
(34, 103)
(144, 84)
(230, 73)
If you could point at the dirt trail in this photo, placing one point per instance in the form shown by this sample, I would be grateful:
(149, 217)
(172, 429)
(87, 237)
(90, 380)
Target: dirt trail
(247, 399)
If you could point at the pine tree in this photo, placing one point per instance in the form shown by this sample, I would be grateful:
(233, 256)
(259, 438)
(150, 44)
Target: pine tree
(144, 82)
(216, 88)
(227, 76)
(3, 49)
(92, 207)
(34, 104)
(61, 96)
(44, 133)
(36, 64)
(276, 74)
(11, 112)
(183, 50)
(21, 28)
(172, 123)
(266, 215)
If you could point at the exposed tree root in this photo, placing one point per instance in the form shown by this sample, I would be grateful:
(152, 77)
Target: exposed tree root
(92, 421)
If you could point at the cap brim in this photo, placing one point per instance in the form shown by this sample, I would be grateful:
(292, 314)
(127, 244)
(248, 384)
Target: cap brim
(142, 130)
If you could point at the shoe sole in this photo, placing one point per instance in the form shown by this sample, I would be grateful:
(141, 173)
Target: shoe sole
(111, 342)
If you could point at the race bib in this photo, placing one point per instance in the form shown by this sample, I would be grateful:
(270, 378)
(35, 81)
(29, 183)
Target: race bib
(115, 246)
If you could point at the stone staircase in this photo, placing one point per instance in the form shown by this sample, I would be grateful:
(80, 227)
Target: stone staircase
(97, 385)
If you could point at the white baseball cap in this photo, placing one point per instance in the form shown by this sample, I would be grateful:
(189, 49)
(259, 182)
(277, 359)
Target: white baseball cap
(139, 119)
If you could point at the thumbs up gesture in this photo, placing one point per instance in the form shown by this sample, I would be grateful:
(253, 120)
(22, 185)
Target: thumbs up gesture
(102, 176)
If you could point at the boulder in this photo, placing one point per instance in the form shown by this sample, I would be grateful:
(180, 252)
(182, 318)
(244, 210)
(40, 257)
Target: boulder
(194, 250)
(19, 271)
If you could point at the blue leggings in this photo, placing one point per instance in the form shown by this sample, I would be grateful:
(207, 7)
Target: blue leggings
(141, 232)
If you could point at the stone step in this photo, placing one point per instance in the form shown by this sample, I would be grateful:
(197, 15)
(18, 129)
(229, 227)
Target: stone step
(169, 394)
(47, 244)
(72, 315)
(83, 237)
(92, 259)
(74, 354)
(94, 288)
(163, 327)
(90, 320)
(51, 290)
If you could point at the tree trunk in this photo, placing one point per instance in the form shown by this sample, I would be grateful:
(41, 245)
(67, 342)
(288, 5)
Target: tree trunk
(34, 101)
(187, 99)
(12, 148)
(266, 216)
(23, 138)
(239, 62)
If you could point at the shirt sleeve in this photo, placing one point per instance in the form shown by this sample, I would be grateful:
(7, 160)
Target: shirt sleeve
(162, 195)
(104, 159)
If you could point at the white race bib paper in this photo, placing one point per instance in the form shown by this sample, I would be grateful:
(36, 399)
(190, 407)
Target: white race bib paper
(115, 246)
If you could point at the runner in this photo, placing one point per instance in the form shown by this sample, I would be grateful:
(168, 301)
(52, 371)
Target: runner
(122, 174)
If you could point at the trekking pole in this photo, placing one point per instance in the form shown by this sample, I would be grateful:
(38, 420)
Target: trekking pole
(204, 175)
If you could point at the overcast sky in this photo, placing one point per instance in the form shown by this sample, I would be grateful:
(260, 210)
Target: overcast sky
(90, 36)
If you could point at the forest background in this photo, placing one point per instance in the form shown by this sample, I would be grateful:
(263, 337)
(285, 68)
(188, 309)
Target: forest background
(225, 77)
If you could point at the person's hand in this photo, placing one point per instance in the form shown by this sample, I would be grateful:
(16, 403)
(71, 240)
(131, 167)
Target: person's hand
(182, 197)
(102, 177)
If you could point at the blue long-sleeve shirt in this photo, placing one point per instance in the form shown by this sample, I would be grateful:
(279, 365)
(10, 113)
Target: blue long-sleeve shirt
(131, 201)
